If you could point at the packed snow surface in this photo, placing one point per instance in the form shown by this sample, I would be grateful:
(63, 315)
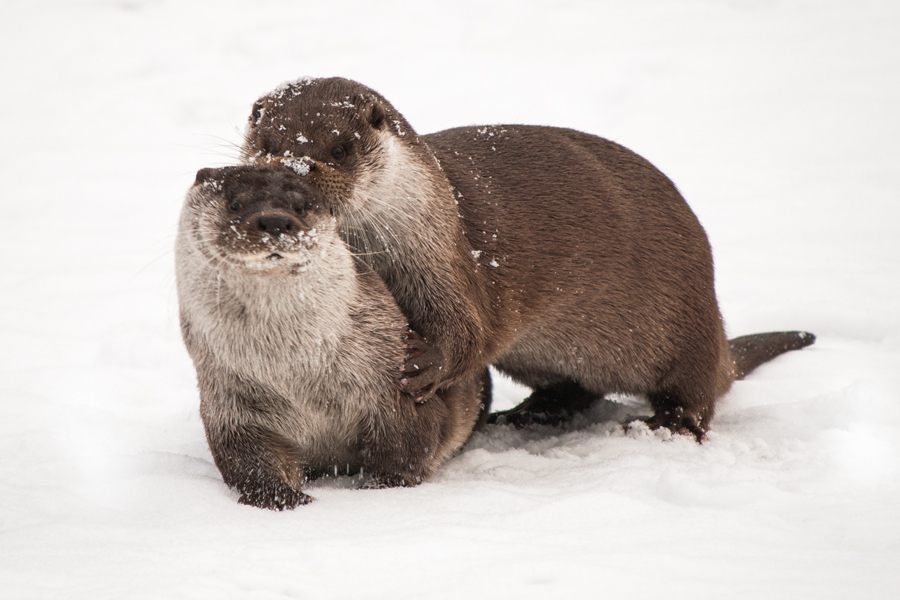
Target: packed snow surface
(778, 121)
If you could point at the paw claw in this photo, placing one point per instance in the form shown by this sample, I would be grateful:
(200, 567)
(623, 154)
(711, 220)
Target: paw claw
(420, 373)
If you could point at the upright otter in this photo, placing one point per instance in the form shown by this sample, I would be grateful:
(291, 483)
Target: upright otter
(297, 345)
(564, 259)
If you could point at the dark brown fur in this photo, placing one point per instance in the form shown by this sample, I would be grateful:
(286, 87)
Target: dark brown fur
(565, 260)
(297, 346)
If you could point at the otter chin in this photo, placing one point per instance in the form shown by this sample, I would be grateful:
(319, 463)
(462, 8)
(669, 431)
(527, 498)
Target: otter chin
(298, 346)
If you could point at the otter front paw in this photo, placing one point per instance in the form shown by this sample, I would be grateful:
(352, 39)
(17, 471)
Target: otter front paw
(396, 480)
(423, 368)
(274, 496)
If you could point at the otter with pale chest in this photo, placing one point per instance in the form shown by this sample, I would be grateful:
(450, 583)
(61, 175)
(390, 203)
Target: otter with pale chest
(297, 345)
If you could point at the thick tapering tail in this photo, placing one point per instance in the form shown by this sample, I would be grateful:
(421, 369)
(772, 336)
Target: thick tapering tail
(750, 351)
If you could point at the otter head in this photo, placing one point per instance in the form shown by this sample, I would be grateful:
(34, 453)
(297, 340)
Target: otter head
(343, 137)
(261, 218)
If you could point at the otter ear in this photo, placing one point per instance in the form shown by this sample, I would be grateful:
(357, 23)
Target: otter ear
(204, 175)
(375, 115)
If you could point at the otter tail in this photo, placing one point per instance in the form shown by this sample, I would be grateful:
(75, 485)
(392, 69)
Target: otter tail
(750, 351)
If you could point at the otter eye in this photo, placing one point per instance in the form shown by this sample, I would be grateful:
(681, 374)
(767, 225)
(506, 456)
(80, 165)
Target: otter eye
(300, 209)
(234, 206)
(338, 153)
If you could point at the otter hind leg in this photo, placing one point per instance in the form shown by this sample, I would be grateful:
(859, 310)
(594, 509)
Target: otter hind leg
(549, 405)
(672, 412)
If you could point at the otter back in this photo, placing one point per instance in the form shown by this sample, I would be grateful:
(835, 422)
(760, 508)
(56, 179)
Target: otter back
(566, 260)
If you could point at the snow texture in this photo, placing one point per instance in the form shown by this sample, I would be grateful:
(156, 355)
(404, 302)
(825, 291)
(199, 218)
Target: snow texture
(777, 120)
(300, 166)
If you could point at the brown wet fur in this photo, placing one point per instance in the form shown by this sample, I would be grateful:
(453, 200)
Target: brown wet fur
(567, 261)
(297, 353)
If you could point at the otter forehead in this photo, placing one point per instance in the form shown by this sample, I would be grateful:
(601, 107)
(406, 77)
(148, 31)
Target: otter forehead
(257, 184)
(308, 109)
(328, 120)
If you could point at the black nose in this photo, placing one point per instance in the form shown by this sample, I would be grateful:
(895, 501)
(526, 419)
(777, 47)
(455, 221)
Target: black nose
(275, 225)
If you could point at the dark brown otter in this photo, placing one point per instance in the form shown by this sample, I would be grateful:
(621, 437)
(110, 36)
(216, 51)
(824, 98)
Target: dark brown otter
(564, 259)
(297, 345)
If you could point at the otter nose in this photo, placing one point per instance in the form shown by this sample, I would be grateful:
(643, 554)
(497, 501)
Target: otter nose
(276, 224)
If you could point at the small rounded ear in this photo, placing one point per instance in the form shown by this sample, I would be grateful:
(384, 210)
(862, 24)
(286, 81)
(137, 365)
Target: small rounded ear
(204, 175)
(375, 114)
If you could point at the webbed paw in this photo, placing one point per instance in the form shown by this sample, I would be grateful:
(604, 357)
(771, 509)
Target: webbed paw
(422, 369)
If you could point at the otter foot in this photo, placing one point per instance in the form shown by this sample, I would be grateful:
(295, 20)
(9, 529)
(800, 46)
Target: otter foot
(422, 369)
(275, 497)
(670, 411)
(382, 481)
(678, 422)
(552, 405)
(521, 419)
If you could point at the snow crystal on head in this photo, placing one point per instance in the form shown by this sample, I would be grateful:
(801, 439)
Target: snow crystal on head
(213, 184)
(301, 139)
(491, 130)
(300, 166)
(292, 86)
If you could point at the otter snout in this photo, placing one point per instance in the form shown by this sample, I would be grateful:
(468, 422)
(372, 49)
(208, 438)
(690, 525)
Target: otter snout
(276, 223)
(256, 215)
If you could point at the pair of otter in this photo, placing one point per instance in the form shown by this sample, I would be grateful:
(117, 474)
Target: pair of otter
(565, 260)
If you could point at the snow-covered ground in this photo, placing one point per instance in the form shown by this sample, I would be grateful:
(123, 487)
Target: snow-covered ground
(777, 119)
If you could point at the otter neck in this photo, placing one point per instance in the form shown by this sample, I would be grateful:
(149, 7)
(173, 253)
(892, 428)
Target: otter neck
(271, 327)
(404, 215)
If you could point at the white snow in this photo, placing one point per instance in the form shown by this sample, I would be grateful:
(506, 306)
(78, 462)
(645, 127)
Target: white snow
(300, 166)
(777, 120)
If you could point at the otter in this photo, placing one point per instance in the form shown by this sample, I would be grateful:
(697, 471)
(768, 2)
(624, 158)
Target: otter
(566, 260)
(296, 345)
